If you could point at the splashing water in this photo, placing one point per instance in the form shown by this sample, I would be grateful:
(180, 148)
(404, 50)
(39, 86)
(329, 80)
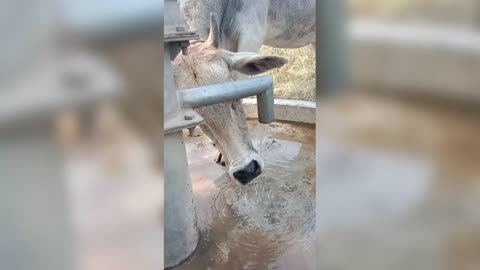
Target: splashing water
(260, 136)
(267, 224)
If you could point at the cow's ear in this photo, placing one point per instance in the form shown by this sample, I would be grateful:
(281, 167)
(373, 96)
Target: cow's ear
(253, 64)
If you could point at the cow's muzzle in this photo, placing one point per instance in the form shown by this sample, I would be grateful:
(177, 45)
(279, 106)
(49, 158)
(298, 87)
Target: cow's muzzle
(248, 173)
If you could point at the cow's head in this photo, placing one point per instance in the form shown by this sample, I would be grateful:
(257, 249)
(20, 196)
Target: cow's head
(225, 123)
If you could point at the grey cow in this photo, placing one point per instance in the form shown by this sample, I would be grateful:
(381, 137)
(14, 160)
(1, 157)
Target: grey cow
(245, 25)
(232, 32)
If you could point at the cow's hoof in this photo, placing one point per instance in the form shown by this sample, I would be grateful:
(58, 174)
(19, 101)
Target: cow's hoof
(219, 160)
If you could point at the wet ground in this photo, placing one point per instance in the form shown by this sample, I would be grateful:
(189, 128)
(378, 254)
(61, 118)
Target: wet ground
(398, 185)
(268, 224)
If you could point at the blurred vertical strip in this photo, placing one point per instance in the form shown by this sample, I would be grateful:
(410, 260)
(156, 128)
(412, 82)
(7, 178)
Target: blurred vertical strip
(35, 231)
(128, 35)
(331, 47)
(331, 77)
(27, 29)
(75, 56)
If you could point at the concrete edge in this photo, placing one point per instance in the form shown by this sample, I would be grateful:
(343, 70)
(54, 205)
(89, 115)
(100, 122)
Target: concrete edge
(299, 111)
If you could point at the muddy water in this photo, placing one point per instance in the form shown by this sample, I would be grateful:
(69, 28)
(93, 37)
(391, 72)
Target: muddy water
(268, 224)
(398, 185)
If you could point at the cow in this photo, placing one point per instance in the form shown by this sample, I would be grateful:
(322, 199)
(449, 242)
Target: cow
(225, 123)
(244, 26)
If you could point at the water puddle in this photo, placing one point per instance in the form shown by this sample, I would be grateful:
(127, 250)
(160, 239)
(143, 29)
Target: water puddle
(268, 224)
(260, 136)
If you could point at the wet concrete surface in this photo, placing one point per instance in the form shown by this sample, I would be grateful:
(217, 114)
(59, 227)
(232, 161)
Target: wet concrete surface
(398, 185)
(268, 224)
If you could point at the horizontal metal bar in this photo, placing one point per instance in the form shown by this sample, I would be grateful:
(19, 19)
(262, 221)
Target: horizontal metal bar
(223, 92)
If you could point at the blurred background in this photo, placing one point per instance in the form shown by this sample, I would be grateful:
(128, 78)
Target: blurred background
(398, 180)
(462, 13)
(81, 129)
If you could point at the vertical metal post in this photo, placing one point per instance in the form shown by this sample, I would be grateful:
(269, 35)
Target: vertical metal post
(265, 106)
(332, 48)
(181, 233)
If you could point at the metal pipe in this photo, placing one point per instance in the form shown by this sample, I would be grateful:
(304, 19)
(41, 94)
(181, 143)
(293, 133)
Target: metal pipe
(262, 87)
(181, 232)
(265, 104)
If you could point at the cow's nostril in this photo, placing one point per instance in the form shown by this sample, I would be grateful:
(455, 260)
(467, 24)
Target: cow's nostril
(256, 167)
(247, 174)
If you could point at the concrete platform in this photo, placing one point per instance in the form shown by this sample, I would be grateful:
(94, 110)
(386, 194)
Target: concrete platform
(298, 111)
